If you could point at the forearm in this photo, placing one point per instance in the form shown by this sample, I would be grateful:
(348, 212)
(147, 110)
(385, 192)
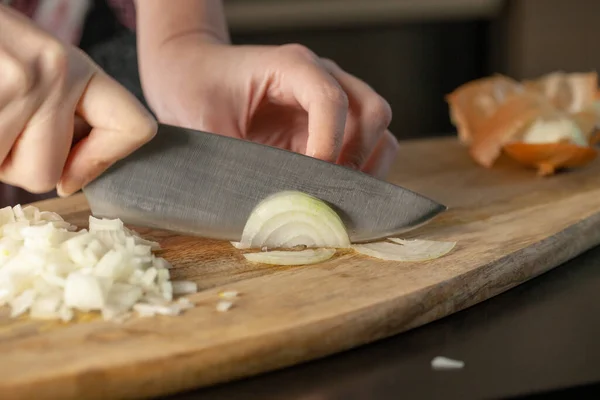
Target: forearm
(159, 22)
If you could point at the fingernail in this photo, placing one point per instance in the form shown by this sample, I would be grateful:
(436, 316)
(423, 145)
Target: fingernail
(68, 186)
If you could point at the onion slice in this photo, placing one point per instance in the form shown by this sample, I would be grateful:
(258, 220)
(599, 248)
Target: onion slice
(445, 363)
(405, 250)
(290, 218)
(303, 257)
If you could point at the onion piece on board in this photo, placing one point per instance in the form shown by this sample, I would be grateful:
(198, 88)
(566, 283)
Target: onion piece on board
(302, 257)
(444, 363)
(288, 219)
(405, 250)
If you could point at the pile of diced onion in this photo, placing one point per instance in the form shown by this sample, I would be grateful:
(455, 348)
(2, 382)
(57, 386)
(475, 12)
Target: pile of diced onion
(51, 270)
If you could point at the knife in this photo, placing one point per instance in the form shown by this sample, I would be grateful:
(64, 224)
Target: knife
(204, 184)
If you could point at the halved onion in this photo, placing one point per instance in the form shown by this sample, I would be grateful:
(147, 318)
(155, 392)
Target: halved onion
(302, 257)
(291, 218)
(405, 250)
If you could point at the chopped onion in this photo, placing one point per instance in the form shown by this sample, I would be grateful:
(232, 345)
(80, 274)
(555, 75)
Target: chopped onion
(224, 305)
(303, 257)
(150, 310)
(184, 287)
(228, 294)
(50, 269)
(290, 218)
(85, 292)
(405, 250)
(445, 363)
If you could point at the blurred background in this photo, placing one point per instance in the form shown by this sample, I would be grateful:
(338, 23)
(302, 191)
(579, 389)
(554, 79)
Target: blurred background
(413, 52)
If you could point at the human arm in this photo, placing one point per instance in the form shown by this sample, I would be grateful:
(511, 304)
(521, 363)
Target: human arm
(285, 96)
(47, 88)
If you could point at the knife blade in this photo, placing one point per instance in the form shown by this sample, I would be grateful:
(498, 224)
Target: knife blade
(203, 184)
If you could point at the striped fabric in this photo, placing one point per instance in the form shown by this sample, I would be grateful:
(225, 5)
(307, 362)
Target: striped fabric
(65, 18)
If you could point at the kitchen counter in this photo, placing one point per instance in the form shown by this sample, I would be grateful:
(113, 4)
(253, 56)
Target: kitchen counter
(540, 336)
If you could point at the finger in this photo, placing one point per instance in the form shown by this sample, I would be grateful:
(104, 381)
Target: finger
(39, 154)
(327, 108)
(120, 125)
(383, 156)
(320, 95)
(369, 117)
(16, 80)
(15, 106)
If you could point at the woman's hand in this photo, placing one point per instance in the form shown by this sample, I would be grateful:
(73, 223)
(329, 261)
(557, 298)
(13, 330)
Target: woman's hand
(283, 96)
(47, 88)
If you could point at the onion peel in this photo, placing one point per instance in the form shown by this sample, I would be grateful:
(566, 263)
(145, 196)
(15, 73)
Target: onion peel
(474, 102)
(560, 111)
(550, 157)
(509, 121)
(570, 92)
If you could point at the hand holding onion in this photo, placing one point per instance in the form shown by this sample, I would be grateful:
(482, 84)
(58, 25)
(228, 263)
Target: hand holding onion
(47, 88)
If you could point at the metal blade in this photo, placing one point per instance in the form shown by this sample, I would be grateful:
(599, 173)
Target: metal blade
(206, 185)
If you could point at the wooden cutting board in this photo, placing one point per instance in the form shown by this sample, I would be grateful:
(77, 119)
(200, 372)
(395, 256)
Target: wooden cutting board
(510, 226)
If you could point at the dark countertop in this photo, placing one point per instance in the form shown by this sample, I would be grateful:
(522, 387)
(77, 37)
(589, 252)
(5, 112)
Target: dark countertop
(540, 336)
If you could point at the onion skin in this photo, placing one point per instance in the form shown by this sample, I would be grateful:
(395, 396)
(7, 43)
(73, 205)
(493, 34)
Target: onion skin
(550, 157)
(594, 138)
(507, 123)
(495, 114)
(474, 102)
(568, 92)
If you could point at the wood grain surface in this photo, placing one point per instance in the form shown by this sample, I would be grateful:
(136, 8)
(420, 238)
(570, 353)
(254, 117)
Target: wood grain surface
(510, 226)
